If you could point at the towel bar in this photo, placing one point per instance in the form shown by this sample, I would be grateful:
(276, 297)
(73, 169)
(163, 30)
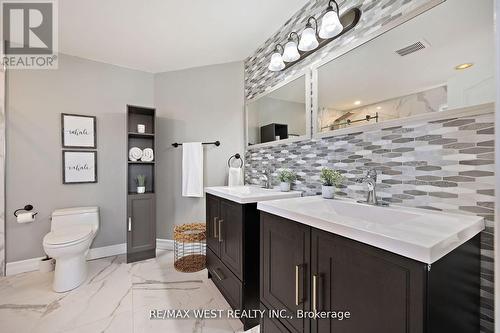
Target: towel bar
(216, 143)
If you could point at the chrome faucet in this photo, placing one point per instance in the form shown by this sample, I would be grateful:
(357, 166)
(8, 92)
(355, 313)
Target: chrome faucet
(266, 176)
(371, 180)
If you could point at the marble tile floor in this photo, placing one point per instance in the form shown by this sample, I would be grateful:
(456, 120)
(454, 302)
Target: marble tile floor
(116, 297)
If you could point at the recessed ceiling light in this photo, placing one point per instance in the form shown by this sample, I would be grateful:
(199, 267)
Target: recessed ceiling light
(357, 103)
(379, 108)
(464, 66)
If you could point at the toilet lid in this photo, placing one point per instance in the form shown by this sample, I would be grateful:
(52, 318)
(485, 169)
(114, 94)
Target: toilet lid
(67, 234)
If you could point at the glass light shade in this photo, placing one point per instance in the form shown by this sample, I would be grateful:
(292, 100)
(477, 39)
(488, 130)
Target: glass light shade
(277, 63)
(308, 40)
(330, 25)
(291, 53)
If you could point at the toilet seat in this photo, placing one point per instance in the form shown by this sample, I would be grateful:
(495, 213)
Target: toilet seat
(68, 235)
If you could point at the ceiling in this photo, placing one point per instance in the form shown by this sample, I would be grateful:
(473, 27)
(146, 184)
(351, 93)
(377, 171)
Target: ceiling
(166, 35)
(457, 33)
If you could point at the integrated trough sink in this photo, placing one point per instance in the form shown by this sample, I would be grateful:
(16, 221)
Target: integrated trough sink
(419, 234)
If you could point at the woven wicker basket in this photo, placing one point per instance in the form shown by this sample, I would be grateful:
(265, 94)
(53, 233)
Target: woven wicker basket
(190, 247)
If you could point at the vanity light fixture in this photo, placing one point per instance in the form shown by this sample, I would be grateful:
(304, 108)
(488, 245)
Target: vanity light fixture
(464, 66)
(332, 27)
(277, 64)
(308, 39)
(291, 52)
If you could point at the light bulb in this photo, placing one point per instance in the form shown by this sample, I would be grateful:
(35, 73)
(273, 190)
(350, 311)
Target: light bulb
(308, 40)
(277, 63)
(291, 53)
(330, 25)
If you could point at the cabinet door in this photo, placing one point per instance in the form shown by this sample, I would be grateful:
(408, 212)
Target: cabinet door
(213, 215)
(141, 224)
(285, 268)
(382, 291)
(231, 236)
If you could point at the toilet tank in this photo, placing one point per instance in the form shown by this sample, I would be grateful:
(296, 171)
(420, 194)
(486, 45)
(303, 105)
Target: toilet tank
(75, 216)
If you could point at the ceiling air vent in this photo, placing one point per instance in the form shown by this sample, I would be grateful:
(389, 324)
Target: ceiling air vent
(420, 45)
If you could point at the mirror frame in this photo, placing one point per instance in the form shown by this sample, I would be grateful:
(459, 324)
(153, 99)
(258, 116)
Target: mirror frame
(352, 46)
(306, 75)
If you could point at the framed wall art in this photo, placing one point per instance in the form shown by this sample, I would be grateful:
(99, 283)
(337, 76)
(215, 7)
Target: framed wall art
(78, 131)
(79, 167)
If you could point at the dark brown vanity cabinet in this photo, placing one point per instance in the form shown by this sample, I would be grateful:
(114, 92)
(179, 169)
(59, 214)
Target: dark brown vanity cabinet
(383, 292)
(233, 252)
(285, 268)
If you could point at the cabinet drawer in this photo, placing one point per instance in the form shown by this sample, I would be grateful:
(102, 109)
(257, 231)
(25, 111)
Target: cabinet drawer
(229, 285)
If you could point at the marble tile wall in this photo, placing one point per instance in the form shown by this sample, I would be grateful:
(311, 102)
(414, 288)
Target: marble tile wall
(446, 165)
(432, 100)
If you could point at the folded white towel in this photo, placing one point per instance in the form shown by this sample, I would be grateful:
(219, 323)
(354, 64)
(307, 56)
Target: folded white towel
(235, 177)
(192, 170)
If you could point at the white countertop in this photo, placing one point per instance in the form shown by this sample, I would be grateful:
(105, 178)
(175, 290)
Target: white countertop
(249, 194)
(419, 234)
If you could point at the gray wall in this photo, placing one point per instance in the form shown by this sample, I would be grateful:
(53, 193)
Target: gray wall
(200, 104)
(35, 101)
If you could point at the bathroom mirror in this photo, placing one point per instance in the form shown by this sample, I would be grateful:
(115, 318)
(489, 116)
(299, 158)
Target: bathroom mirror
(280, 115)
(441, 60)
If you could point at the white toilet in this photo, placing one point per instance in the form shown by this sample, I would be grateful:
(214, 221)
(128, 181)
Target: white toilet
(68, 242)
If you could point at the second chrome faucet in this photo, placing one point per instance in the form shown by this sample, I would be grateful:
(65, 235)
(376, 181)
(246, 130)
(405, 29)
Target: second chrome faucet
(371, 180)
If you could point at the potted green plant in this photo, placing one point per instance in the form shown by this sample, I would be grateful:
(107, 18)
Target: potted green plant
(286, 177)
(141, 184)
(330, 179)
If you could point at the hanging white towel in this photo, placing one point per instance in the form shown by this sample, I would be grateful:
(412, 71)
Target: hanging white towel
(235, 177)
(192, 170)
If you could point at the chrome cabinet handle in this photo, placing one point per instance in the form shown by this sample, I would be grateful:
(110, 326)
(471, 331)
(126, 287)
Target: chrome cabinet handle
(129, 224)
(315, 293)
(221, 276)
(220, 230)
(215, 227)
(297, 289)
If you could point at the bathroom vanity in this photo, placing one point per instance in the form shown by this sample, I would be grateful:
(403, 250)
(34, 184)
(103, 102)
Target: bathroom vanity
(393, 269)
(233, 243)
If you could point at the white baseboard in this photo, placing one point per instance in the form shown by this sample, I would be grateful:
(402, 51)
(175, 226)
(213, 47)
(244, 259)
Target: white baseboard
(164, 244)
(17, 267)
(29, 265)
(107, 251)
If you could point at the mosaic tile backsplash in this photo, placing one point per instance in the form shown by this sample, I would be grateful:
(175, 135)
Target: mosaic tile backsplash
(446, 165)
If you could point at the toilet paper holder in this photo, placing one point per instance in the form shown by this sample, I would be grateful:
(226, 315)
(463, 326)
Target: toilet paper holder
(27, 208)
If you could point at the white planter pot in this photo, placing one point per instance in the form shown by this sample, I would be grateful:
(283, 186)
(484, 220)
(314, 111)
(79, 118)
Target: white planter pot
(141, 128)
(46, 266)
(141, 189)
(328, 192)
(285, 187)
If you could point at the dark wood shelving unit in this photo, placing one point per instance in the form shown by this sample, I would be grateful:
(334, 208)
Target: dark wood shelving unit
(140, 162)
(140, 135)
(141, 208)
